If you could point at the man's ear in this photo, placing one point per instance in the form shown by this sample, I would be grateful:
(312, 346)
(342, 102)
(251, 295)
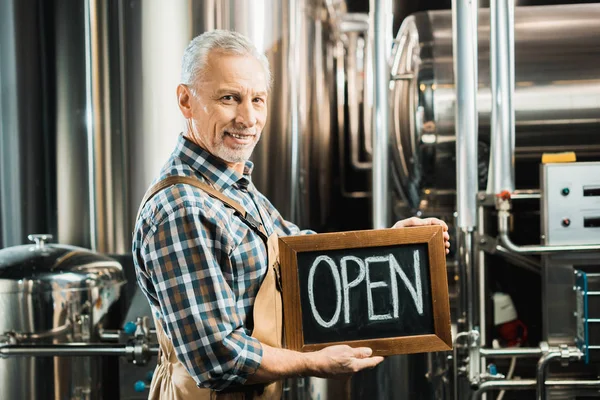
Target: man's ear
(184, 100)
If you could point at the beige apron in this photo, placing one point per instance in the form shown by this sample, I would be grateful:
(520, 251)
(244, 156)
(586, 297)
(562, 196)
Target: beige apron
(171, 381)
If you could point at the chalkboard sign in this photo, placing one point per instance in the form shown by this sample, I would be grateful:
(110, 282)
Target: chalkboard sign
(385, 289)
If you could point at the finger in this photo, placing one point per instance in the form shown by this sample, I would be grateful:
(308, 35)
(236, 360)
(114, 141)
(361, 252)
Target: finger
(442, 224)
(405, 223)
(446, 236)
(437, 221)
(362, 352)
(369, 362)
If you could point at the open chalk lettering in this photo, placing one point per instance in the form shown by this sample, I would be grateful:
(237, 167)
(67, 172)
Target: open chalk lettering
(343, 286)
(386, 289)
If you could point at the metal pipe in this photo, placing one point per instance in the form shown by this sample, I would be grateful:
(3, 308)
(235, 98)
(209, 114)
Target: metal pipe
(354, 22)
(466, 260)
(109, 335)
(340, 80)
(464, 44)
(530, 384)
(481, 280)
(51, 333)
(522, 384)
(464, 29)
(523, 352)
(519, 260)
(502, 66)
(114, 335)
(455, 359)
(70, 350)
(540, 373)
(572, 384)
(354, 103)
(529, 194)
(382, 19)
(503, 216)
(294, 113)
(473, 323)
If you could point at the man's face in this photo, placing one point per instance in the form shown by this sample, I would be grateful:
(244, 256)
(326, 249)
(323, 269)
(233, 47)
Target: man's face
(229, 106)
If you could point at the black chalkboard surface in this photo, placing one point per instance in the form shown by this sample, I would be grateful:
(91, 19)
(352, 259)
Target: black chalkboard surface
(385, 289)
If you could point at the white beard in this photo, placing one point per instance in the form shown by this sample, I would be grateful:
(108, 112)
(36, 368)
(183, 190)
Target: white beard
(235, 154)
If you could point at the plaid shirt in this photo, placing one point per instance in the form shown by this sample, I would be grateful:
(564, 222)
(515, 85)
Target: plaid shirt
(200, 267)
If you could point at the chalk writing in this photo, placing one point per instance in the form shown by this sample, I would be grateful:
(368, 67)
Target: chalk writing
(311, 294)
(343, 286)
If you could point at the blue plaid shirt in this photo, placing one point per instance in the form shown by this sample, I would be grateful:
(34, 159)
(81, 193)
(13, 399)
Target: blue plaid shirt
(200, 267)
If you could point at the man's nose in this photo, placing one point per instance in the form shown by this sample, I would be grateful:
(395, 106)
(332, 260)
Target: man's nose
(246, 114)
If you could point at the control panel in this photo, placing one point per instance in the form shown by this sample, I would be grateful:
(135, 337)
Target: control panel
(571, 203)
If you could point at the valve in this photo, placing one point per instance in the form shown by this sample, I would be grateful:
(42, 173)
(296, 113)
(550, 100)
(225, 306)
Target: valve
(140, 386)
(150, 375)
(504, 195)
(492, 374)
(130, 328)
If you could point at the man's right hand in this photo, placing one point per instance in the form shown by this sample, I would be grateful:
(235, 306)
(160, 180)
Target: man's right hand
(341, 360)
(337, 361)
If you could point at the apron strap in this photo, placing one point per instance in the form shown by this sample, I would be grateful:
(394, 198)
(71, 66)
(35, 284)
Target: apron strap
(240, 211)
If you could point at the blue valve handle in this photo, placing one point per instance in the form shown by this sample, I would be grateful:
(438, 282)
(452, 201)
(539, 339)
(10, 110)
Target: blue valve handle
(130, 328)
(149, 375)
(140, 386)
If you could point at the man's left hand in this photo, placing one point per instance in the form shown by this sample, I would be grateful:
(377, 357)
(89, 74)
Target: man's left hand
(414, 221)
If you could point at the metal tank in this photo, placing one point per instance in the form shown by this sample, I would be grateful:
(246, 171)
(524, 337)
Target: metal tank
(557, 101)
(64, 152)
(53, 294)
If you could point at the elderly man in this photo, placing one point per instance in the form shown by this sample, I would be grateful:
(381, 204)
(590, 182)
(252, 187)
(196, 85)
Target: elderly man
(205, 242)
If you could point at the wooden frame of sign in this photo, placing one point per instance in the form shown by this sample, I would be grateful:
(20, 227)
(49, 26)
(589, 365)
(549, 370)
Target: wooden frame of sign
(437, 337)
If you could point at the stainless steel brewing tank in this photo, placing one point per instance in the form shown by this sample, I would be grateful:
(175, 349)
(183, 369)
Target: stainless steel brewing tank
(557, 96)
(53, 294)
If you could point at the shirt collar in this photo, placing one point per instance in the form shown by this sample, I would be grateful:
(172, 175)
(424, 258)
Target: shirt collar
(211, 167)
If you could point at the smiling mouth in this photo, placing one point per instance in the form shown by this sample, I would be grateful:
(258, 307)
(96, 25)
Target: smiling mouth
(238, 135)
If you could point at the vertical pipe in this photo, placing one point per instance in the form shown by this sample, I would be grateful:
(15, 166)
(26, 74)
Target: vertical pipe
(502, 66)
(293, 56)
(481, 282)
(381, 18)
(106, 144)
(89, 21)
(540, 374)
(464, 29)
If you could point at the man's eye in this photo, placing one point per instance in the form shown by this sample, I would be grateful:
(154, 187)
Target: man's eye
(227, 98)
(259, 100)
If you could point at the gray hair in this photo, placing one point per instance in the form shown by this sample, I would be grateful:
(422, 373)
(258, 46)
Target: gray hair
(229, 42)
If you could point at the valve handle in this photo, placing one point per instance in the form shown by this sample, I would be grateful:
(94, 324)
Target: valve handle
(504, 195)
(150, 375)
(130, 327)
(139, 386)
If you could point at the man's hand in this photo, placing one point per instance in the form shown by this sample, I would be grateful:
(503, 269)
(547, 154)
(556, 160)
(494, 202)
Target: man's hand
(334, 361)
(341, 360)
(414, 221)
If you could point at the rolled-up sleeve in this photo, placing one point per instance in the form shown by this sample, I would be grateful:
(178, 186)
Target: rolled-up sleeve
(185, 255)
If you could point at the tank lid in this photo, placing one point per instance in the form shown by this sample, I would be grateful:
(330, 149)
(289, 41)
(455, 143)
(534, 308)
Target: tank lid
(48, 267)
